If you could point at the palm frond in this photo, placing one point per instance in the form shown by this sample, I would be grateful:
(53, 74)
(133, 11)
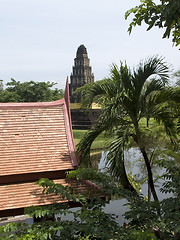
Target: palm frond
(152, 86)
(168, 97)
(104, 87)
(175, 95)
(148, 97)
(123, 81)
(84, 146)
(126, 96)
(152, 67)
(107, 120)
(178, 126)
(115, 157)
(163, 114)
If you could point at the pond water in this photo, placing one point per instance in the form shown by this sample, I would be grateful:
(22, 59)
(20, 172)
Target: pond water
(133, 163)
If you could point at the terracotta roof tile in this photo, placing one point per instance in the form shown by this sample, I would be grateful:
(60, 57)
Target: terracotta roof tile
(27, 194)
(34, 138)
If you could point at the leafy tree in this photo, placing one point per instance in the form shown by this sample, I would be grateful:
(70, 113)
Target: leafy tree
(127, 97)
(1, 85)
(92, 223)
(30, 92)
(168, 226)
(177, 76)
(165, 15)
(176, 105)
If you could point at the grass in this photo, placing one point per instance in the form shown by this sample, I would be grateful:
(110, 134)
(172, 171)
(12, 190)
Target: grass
(153, 134)
(75, 105)
(99, 143)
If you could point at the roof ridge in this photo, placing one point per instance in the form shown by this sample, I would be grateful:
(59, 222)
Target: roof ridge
(32, 104)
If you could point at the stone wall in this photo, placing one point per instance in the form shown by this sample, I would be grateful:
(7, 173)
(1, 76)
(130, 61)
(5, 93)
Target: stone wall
(84, 119)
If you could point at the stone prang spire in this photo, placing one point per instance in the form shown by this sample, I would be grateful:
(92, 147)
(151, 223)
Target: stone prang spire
(81, 74)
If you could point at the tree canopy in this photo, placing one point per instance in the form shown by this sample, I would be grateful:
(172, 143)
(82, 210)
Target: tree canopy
(177, 76)
(29, 92)
(127, 97)
(165, 15)
(90, 222)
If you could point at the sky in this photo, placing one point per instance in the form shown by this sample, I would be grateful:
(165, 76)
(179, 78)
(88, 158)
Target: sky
(39, 38)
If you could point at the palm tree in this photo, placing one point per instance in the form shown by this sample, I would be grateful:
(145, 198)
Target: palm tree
(127, 97)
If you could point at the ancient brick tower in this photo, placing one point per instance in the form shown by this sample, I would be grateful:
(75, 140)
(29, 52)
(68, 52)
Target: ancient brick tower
(81, 74)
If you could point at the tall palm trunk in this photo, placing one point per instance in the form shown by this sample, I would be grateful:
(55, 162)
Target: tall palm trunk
(147, 122)
(125, 181)
(150, 175)
(138, 140)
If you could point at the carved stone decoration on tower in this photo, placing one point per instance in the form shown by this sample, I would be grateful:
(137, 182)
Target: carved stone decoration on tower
(81, 73)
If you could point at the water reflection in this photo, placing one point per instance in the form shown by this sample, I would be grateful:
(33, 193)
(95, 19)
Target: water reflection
(135, 164)
(95, 159)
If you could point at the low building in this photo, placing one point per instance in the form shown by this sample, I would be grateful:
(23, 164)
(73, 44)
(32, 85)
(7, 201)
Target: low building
(36, 141)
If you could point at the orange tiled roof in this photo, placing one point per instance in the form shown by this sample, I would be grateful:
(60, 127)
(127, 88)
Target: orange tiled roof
(35, 137)
(36, 141)
(22, 195)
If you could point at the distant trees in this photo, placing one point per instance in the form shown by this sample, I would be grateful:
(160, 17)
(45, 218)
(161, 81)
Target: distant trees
(29, 92)
(165, 15)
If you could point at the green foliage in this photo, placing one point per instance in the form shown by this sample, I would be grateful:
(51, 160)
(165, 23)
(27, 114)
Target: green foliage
(127, 97)
(177, 76)
(165, 15)
(30, 92)
(90, 222)
(142, 214)
(135, 184)
(171, 206)
(12, 231)
(141, 235)
(65, 192)
(105, 183)
(47, 211)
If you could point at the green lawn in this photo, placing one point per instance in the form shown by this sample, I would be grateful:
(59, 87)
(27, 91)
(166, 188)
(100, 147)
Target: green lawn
(99, 143)
(75, 105)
